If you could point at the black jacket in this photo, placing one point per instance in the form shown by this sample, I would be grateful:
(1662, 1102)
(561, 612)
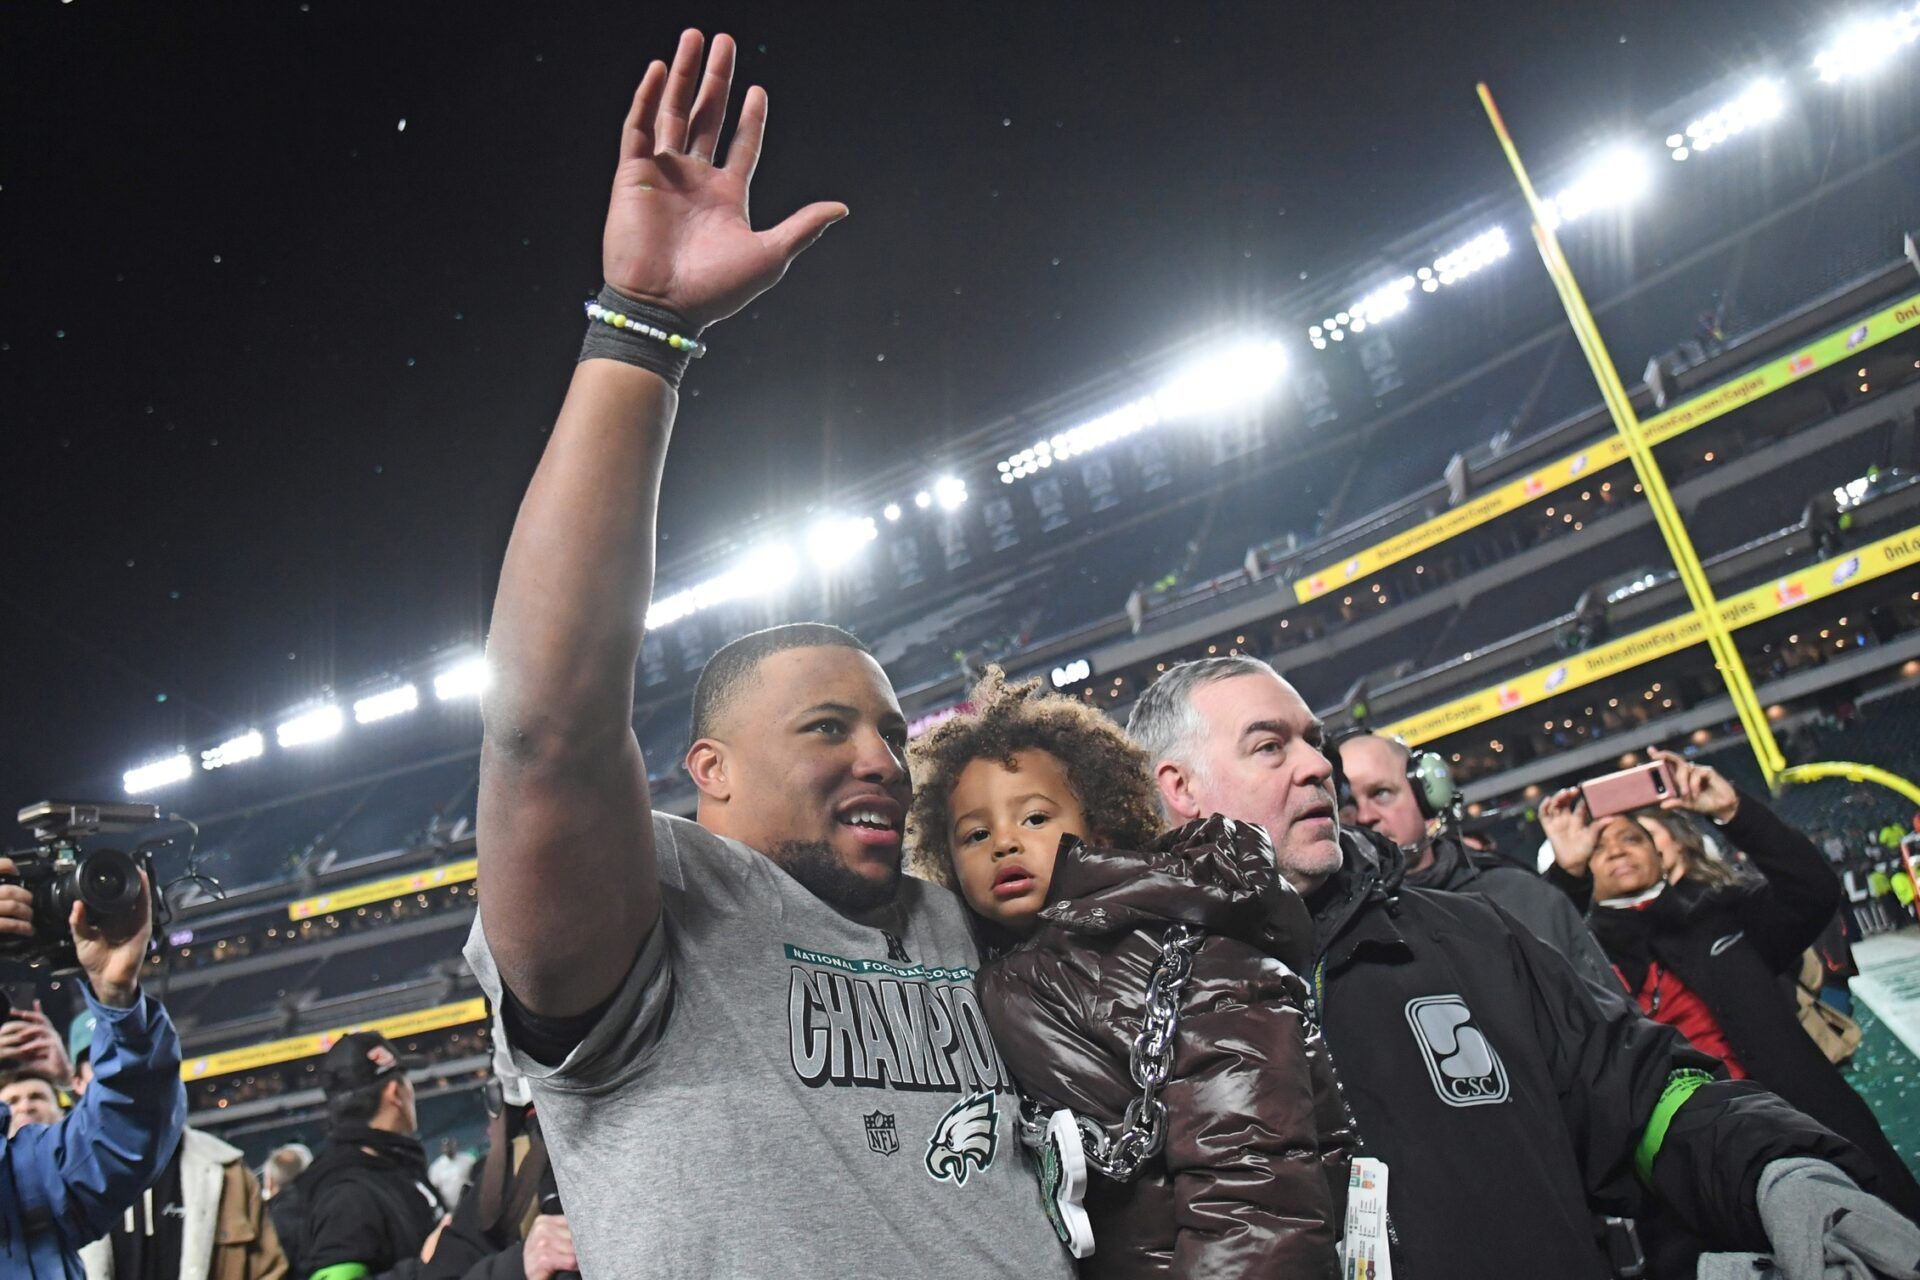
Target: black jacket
(470, 1250)
(288, 1213)
(1523, 895)
(1730, 946)
(1506, 1101)
(368, 1201)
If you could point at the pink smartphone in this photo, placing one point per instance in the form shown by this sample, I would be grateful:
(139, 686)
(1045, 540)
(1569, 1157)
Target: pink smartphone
(1628, 789)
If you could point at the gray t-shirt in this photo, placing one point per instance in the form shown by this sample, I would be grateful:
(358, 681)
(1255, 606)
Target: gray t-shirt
(779, 1091)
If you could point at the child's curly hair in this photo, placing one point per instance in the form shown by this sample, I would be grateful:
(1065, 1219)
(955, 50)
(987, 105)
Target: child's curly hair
(1107, 772)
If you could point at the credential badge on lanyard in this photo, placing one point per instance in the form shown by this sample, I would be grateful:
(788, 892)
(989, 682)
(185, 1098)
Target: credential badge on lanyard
(1363, 1253)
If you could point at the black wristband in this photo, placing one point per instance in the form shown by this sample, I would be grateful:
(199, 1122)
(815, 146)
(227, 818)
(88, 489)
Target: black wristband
(629, 346)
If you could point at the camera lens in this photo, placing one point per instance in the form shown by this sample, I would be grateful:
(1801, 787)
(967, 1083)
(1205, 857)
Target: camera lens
(109, 883)
(103, 884)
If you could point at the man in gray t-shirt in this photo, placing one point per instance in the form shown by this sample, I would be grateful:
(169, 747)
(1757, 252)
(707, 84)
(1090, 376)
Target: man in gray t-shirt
(777, 1090)
(752, 1042)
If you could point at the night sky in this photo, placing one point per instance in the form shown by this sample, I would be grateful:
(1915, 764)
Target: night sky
(292, 290)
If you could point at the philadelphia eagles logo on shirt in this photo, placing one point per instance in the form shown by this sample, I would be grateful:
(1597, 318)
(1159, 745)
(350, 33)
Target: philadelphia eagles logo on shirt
(964, 1139)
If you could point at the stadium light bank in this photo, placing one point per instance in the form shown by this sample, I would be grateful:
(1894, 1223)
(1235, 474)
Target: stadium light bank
(1620, 175)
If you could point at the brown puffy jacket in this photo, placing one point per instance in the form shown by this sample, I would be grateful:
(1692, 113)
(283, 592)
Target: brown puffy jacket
(1252, 1180)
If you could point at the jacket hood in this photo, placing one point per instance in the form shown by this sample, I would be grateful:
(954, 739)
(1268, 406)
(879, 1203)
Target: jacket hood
(1217, 875)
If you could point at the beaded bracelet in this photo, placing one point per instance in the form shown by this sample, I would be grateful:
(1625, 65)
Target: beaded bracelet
(641, 334)
(692, 346)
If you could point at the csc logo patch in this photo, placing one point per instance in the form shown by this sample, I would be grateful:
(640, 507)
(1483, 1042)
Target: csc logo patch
(1465, 1070)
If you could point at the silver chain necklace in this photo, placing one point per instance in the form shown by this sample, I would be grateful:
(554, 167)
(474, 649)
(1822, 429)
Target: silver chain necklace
(1119, 1152)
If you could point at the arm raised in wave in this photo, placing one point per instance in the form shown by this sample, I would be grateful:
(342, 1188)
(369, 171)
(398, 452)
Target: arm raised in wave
(568, 886)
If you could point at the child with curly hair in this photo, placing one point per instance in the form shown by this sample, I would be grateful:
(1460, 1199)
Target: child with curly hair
(1040, 812)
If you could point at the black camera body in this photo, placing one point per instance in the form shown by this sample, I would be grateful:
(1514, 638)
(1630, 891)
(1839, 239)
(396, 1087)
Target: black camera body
(57, 872)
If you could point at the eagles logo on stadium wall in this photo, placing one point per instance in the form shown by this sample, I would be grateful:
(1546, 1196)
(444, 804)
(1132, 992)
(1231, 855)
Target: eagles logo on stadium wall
(964, 1139)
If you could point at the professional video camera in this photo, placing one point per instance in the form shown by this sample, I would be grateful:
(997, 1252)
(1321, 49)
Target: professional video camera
(59, 873)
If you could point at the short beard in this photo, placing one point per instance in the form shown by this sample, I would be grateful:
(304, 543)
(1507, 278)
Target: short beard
(820, 872)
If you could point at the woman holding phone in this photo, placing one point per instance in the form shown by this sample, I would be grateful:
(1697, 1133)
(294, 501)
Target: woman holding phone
(1705, 957)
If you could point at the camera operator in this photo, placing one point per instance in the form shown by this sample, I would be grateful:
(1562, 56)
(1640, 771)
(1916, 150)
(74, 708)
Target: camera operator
(202, 1217)
(64, 1184)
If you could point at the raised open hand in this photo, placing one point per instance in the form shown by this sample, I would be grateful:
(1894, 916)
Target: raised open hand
(677, 231)
(1571, 832)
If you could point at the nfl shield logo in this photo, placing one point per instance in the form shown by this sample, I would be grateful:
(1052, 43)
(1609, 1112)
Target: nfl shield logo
(883, 1139)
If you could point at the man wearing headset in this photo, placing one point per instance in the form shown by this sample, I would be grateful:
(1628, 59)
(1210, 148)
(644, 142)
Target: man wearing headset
(1408, 797)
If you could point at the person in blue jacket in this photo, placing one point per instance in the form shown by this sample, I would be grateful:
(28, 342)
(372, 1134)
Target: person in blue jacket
(62, 1185)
